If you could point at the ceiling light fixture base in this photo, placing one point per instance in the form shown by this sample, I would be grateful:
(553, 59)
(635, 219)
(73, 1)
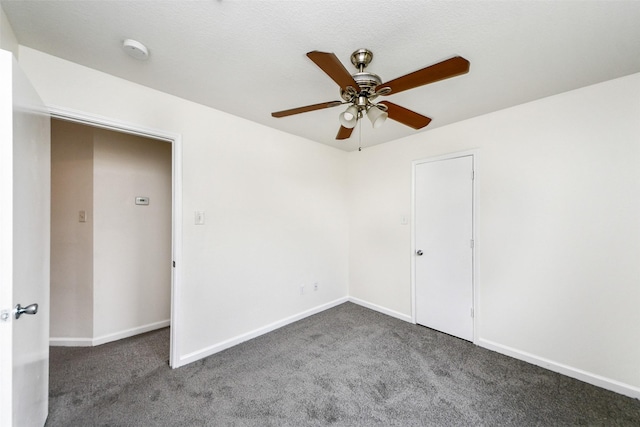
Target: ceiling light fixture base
(135, 49)
(361, 58)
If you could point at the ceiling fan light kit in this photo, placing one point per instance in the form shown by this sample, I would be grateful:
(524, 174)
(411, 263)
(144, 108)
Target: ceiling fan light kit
(349, 118)
(360, 89)
(377, 116)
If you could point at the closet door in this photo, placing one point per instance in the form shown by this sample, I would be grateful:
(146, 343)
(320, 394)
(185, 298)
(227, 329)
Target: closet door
(444, 247)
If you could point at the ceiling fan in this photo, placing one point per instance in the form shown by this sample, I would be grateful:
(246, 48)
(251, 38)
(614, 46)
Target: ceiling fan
(360, 89)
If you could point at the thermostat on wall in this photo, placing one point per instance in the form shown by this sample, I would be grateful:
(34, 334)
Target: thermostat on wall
(142, 200)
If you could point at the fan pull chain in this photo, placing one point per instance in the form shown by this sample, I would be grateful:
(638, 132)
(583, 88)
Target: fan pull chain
(360, 136)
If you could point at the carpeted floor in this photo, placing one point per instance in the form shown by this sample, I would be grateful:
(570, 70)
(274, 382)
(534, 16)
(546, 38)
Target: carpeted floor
(348, 366)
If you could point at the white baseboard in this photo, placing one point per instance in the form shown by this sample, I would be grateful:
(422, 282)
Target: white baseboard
(70, 342)
(579, 374)
(90, 342)
(208, 351)
(381, 309)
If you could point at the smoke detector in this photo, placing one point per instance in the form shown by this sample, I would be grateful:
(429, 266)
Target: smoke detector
(136, 49)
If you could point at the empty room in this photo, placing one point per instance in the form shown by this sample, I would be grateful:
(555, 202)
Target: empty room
(377, 213)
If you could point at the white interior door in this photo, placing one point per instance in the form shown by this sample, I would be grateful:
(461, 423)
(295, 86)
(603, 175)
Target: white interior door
(24, 249)
(443, 243)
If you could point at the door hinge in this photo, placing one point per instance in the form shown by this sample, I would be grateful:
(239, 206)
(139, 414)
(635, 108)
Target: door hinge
(471, 243)
(174, 264)
(471, 311)
(473, 175)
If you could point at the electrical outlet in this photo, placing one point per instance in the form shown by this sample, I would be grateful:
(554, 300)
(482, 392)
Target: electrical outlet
(315, 286)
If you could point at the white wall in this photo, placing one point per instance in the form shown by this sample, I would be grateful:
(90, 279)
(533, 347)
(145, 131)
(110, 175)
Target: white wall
(275, 206)
(132, 243)
(8, 40)
(558, 228)
(71, 241)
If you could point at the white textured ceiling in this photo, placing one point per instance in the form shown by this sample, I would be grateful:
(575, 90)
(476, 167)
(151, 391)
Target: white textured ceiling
(248, 57)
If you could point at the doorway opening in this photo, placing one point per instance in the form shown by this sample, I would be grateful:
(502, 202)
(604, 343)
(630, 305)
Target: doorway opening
(117, 226)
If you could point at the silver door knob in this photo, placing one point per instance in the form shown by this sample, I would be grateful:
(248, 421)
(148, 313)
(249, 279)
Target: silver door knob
(419, 252)
(30, 309)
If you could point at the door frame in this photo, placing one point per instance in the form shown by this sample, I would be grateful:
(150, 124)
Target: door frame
(474, 251)
(175, 139)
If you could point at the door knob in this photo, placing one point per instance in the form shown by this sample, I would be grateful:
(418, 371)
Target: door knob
(419, 252)
(30, 309)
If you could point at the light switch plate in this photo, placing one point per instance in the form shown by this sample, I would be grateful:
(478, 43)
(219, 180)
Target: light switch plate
(199, 217)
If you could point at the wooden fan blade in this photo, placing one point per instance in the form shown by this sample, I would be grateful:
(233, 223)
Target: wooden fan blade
(331, 65)
(440, 71)
(344, 133)
(405, 116)
(308, 108)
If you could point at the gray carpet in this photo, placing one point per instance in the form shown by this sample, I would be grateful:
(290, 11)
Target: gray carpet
(348, 366)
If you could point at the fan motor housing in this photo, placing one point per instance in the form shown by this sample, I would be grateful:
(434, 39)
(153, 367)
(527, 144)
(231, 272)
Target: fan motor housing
(367, 83)
(367, 80)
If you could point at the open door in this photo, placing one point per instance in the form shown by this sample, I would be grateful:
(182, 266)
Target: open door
(24, 249)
